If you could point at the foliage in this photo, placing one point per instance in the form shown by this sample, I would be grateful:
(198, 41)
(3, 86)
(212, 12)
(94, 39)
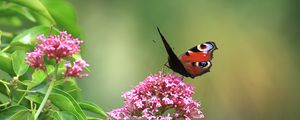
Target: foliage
(27, 93)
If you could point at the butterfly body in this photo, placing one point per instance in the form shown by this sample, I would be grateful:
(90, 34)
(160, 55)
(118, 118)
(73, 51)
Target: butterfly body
(195, 62)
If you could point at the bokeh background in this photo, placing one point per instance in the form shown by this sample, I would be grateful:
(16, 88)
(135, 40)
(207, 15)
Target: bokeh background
(255, 73)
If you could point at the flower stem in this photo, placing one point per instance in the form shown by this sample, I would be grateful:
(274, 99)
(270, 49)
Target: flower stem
(47, 94)
(21, 98)
(6, 48)
(4, 104)
(44, 100)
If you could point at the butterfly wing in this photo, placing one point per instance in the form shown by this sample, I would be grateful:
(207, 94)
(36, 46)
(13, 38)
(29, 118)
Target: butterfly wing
(173, 60)
(197, 60)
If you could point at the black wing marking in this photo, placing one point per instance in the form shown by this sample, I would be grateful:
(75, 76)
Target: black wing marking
(173, 60)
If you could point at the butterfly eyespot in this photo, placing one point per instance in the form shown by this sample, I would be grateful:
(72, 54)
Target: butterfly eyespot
(202, 46)
(204, 64)
(205, 47)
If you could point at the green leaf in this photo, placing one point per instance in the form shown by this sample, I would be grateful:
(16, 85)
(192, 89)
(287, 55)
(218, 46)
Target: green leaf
(5, 63)
(64, 14)
(37, 78)
(4, 87)
(11, 21)
(22, 11)
(15, 113)
(89, 106)
(18, 62)
(41, 19)
(27, 39)
(93, 118)
(10, 15)
(34, 98)
(41, 88)
(71, 87)
(64, 115)
(50, 69)
(61, 69)
(59, 83)
(66, 102)
(3, 98)
(0, 39)
(36, 6)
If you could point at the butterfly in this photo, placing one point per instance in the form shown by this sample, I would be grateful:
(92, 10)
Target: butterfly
(195, 62)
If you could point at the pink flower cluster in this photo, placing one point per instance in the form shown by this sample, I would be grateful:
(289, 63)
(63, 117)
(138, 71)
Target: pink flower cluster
(36, 59)
(57, 47)
(159, 97)
(76, 69)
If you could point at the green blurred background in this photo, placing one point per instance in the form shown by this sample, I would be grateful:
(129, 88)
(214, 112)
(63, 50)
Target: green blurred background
(255, 73)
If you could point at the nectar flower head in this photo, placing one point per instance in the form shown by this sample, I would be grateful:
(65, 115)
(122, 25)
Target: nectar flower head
(157, 94)
(35, 59)
(76, 69)
(59, 46)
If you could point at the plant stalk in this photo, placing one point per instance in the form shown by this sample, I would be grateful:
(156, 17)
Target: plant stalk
(44, 100)
(47, 94)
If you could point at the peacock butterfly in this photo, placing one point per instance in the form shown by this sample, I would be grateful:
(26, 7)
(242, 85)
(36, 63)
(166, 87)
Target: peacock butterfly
(195, 62)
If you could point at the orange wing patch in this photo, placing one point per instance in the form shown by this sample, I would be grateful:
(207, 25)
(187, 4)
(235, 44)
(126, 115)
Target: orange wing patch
(195, 57)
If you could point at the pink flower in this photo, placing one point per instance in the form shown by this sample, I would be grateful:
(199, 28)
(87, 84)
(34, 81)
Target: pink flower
(156, 95)
(76, 69)
(35, 59)
(59, 46)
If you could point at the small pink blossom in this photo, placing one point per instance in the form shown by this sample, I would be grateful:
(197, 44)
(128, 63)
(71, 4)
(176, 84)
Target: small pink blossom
(167, 101)
(55, 46)
(35, 59)
(59, 46)
(156, 95)
(76, 69)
